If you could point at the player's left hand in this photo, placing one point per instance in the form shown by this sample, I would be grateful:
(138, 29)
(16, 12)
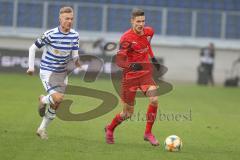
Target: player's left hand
(156, 63)
(136, 67)
(77, 64)
(30, 71)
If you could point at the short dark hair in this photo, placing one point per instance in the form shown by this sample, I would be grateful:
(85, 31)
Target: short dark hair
(137, 12)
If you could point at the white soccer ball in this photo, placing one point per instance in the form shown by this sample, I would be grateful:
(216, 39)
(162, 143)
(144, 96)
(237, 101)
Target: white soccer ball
(173, 143)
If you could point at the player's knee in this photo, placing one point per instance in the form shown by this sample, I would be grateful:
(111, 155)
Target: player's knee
(130, 112)
(57, 98)
(154, 100)
(127, 113)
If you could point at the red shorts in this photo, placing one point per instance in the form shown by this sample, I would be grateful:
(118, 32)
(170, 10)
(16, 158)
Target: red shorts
(130, 87)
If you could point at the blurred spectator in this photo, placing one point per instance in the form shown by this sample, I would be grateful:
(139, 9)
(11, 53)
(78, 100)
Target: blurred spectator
(205, 70)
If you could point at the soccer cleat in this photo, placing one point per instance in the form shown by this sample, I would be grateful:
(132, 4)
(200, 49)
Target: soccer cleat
(42, 134)
(109, 135)
(41, 106)
(150, 137)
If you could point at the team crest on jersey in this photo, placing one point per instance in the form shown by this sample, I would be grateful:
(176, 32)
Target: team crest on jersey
(56, 51)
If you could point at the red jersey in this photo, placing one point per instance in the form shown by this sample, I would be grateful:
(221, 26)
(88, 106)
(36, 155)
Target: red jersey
(135, 48)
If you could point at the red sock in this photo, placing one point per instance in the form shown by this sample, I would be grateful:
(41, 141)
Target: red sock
(151, 116)
(115, 122)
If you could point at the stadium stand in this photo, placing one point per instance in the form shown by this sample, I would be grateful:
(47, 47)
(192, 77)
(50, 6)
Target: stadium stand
(6, 8)
(181, 27)
(190, 18)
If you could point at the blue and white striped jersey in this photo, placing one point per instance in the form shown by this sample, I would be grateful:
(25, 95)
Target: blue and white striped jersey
(58, 48)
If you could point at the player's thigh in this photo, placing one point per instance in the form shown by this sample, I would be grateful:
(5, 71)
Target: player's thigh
(148, 86)
(45, 76)
(128, 92)
(54, 82)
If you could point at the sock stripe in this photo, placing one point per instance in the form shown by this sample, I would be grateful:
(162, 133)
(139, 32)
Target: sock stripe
(51, 111)
(50, 118)
(50, 99)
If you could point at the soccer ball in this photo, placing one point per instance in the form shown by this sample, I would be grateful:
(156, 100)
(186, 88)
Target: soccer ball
(173, 143)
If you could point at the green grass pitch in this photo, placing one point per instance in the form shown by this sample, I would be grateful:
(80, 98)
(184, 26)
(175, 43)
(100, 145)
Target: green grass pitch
(211, 131)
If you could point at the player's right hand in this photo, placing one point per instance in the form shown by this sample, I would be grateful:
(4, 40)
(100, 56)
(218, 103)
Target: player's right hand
(136, 67)
(155, 63)
(30, 72)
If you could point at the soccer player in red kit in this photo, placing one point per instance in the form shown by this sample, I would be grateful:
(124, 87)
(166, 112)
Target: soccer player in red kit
(133, 57)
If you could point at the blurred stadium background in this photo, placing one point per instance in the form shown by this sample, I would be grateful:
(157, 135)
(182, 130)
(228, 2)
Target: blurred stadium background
(182, 27)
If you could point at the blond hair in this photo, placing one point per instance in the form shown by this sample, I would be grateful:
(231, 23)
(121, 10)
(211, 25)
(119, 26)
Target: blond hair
(66, 9)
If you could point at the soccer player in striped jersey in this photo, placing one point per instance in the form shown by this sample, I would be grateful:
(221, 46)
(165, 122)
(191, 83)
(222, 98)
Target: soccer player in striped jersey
(61, 45)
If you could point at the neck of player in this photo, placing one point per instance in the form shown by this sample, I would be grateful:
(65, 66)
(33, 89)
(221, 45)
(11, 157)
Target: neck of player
(64, 30)
(138, 32)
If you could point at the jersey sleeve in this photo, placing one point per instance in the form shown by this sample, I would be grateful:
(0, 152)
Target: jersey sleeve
(149, 33)
(121, 57)
(43, 40)
(76, 43)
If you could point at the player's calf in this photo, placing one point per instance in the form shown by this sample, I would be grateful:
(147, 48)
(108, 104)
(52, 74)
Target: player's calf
(41, 106)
